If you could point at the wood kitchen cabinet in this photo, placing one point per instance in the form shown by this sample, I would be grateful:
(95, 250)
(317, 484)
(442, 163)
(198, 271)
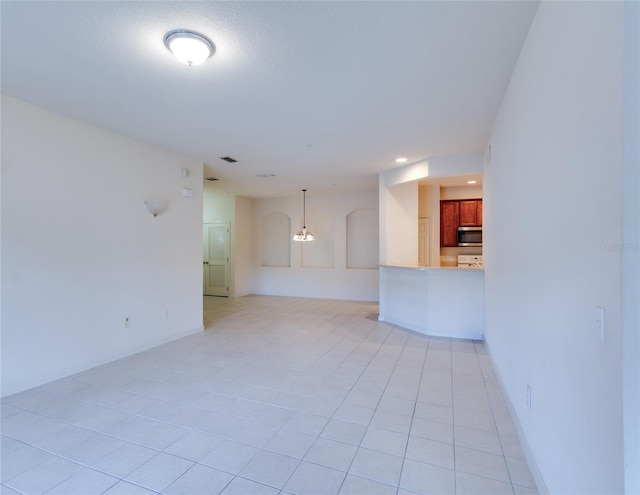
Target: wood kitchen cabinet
(449, 223)
(471, 213)
(458, 213)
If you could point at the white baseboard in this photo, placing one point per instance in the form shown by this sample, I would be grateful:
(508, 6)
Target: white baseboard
(454, 334)
(87, 364)
(528, 453)
(329, 297)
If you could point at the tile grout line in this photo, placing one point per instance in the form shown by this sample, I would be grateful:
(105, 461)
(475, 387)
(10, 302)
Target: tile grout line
(351, 389)
(336, 349)
(301, 460)
(413, 415)
(453, 419)
(493, 417)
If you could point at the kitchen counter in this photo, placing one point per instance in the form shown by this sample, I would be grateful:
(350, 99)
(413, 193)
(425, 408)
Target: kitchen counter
(437, 301)
(429, 268)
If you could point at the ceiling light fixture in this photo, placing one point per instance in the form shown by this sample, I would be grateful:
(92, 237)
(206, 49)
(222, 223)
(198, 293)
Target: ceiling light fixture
(401, 160)
(189, 47)
(304, 234)
(472, 182)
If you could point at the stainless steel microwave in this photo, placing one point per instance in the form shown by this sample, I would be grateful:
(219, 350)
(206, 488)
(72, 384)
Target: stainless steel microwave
(469, 236)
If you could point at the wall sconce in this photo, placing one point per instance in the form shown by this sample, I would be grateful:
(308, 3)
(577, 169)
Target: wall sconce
(156, 206)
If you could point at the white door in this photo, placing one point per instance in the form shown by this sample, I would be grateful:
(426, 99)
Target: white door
(424, 241)
(215, 264)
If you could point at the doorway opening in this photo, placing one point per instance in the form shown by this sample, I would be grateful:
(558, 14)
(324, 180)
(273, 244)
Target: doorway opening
(215, 259)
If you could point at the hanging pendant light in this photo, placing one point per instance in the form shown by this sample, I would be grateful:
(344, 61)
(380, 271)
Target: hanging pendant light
(304, 234)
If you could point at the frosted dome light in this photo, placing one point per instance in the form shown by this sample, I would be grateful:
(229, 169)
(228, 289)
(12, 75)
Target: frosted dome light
(189, 47)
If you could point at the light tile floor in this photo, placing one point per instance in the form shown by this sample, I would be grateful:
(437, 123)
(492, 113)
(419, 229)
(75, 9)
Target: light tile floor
(278, 396)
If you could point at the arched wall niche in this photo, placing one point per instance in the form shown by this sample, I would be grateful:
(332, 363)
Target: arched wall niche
(275, 245)
(362, 238)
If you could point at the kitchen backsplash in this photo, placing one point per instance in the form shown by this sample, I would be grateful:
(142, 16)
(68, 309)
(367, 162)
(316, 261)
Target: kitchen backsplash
(449, 256)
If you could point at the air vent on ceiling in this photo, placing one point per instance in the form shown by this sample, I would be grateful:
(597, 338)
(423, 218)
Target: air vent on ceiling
(228, 159)
(263, 176)
(211, 179)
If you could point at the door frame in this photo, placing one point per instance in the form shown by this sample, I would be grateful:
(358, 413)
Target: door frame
(227, 264)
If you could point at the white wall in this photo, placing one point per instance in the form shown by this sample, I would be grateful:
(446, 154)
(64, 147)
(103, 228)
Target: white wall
(218, 204)
(244, 239)
(331, 282)
(552, 207)
(461, 192)
(429, 300)
(80, 251)
(436, 166)
(401, 225)
(631, 247)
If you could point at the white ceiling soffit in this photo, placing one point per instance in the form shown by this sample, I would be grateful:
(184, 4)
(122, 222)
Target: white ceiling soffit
(325, 95)
(453, 181)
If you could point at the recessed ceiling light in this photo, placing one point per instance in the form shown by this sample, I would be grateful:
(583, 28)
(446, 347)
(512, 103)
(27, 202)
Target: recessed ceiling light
(472, 182)
(189, 47)
(401, 160)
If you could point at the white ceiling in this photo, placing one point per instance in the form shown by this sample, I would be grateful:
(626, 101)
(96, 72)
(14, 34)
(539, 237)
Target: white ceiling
(325, 95)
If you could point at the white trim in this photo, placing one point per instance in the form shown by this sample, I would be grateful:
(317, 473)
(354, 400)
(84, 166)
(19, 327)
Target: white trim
(431, 333)
(60, 373)
(528, 454)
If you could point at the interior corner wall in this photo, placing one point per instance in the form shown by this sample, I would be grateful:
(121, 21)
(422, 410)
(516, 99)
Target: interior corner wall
(338, 282)
(401, 227)
(81, 252)
(552, 203)
(244, 241)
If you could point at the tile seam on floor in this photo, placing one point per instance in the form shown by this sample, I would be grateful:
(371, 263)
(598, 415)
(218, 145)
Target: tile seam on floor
(413, 415)
(331, 346)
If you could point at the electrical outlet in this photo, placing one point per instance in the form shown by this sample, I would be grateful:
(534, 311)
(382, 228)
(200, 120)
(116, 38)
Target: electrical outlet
(126, 323)
(528, 397)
